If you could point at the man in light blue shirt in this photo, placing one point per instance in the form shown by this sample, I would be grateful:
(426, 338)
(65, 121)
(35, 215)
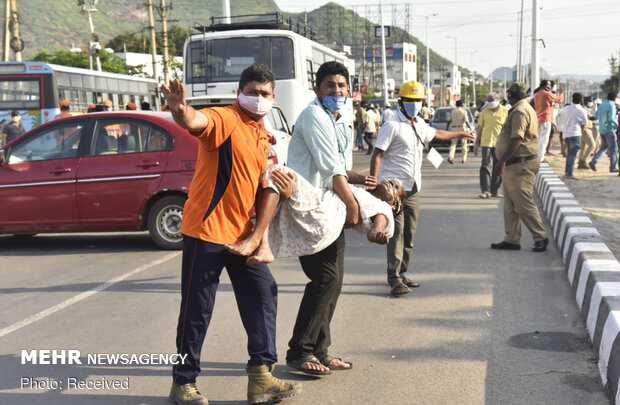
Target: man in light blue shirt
(321, 152)
(607, 125)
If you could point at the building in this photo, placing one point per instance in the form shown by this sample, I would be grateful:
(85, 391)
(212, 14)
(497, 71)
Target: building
(400, 65)
(446, 82)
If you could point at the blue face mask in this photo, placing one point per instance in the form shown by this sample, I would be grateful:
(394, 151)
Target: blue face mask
(334, 103)
(412, 109)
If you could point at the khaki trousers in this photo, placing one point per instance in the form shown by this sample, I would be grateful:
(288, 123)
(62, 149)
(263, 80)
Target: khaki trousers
(452, 150)
(519, 205)
(587, 144)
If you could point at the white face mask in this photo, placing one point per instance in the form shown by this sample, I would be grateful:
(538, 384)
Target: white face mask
(492, 104)
(255, 105)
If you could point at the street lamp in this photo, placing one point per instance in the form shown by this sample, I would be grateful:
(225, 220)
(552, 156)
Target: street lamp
(428, 62)
(473, 73)
(455, 48)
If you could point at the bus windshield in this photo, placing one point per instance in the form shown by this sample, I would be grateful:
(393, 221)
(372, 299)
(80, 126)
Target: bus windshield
(20, 93)
(227, 57)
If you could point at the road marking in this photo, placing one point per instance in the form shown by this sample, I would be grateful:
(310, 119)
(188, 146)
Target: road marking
(51, 310)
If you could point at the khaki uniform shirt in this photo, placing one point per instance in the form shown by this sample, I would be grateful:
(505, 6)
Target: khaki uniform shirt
(458, 118)
(522, 123)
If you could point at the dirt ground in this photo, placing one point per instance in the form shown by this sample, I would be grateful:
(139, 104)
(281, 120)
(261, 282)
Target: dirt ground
(598, 194)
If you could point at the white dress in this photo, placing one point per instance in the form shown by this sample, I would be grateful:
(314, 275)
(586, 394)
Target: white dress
(313, 218)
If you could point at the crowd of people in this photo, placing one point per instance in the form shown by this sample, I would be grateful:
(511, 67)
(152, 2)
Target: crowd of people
(303, 209)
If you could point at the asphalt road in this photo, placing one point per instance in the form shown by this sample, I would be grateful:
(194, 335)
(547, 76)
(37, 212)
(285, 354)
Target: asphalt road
(485, 327)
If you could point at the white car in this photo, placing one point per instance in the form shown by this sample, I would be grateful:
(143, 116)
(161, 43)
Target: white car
(279, 131)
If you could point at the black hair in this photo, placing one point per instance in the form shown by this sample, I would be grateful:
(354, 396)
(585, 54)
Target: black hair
(145, 105)
(577, 98)
(611, 96)
(331, 68)
(257, 73)
(15, 113)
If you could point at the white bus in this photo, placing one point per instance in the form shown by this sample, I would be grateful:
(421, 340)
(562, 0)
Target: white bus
(215, 58)
(35, 90)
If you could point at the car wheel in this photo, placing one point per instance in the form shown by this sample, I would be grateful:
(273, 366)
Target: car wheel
(164, 222)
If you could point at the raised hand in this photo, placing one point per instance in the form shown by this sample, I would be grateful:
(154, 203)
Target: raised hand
(175, 96)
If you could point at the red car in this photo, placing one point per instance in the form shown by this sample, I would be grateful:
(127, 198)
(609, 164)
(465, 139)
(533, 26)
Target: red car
(108, 171)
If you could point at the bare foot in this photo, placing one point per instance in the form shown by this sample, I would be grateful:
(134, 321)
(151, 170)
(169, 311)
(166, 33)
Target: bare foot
(377, 237)
(262, 255)
(243, 248)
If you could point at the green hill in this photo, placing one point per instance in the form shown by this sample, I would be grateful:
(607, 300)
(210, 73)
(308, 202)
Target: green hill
(60, 25)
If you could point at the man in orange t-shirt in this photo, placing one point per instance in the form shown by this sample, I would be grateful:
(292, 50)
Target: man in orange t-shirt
(543, 103)
(232, 154)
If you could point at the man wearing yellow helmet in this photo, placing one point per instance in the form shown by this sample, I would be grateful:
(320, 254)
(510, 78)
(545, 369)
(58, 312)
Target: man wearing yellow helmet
(398, 155)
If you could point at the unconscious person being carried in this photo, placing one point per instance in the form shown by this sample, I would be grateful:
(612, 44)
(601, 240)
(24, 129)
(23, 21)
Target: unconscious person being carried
(312, 218)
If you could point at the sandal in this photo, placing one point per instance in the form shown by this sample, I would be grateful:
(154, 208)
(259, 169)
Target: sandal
(297, 365)
(327, 363)
(410, 283)
(398, 289)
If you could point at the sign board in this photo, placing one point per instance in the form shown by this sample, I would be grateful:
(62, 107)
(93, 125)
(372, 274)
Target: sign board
(364, 88)
(386, 31)
(357, 97)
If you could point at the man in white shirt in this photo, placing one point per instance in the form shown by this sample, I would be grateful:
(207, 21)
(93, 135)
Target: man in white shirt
(398, 156)
(574, 120)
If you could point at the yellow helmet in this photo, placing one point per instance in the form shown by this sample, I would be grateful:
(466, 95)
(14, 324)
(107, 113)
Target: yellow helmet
(413, 90)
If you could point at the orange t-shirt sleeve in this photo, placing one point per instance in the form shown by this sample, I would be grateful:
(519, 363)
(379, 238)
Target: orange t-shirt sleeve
(220, 124)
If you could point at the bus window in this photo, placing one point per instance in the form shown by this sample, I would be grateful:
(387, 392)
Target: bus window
(20, 94)
(310, 72)
(228, 57)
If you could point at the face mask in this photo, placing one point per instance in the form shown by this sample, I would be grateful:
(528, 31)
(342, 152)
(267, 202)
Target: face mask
(590, 104)
(107, 108)
(16, 119)
(412, 109)
(548, 88)
(492, 104)
(255, 105)
(334, 103)
(554, 88)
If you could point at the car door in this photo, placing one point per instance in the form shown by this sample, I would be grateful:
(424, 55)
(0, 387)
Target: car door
(38, 179)
(124, 168)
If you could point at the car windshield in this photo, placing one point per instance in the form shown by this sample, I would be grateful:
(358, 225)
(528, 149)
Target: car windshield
(442, 115)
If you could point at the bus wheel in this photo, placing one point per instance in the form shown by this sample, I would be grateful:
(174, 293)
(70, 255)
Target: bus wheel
(164, 222)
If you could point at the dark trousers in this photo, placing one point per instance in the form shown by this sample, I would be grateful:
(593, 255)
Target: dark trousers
(256, 293)
(486, 170)
(369, 138)
(400, 246)
(311, 334)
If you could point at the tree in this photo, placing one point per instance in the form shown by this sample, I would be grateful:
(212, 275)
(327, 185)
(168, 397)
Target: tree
(611, 85)
(134, 42)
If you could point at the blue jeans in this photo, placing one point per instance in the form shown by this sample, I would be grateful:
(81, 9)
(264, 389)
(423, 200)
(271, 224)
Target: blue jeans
(573, 143)
(610, 141)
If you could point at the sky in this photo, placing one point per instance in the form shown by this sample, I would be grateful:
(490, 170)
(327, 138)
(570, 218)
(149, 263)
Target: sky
(580, 36)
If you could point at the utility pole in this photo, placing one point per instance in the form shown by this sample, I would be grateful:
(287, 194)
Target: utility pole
(7, 34)
(373, 71)
(520, 54)
(164, 23)
(93, 45)
(383, 61)
(16, 42)
(364, 62)
(535, 76)
(428, 63)
(225, 10)
(149, 4)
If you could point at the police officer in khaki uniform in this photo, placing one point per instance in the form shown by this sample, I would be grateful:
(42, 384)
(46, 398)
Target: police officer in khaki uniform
(517, 149)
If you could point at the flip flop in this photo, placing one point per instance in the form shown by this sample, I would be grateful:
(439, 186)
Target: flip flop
(328, 359)
(398, 289)
(410, 283)
(297, 365)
